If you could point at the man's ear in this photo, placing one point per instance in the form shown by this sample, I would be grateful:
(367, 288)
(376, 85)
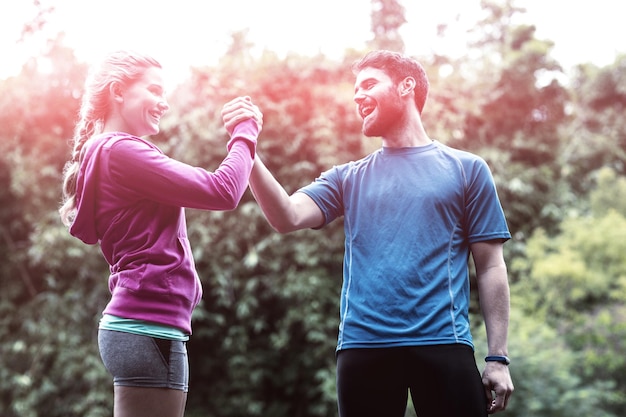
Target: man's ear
(116, 91)
(407, 86)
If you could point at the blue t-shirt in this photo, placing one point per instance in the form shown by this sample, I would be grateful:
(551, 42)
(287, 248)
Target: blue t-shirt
(410, 215)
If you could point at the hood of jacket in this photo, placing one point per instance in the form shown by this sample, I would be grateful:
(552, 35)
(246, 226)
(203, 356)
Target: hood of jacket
(84, 225)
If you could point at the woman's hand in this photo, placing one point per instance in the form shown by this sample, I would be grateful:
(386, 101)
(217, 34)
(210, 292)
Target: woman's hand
(238, 110)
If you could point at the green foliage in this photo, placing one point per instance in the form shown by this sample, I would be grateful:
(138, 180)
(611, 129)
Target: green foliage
(596, 137)
(269, 326)
(610, 193)
(576, 270)
(543, 371)
(49, 361)
(576, 284)
(48, 305)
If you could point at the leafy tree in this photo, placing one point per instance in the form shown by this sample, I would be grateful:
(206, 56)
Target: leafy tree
(387, 18)
(595, 138)
(544, 372)
(609, 193)
(516, 109)
(576, 283)
(47, 300)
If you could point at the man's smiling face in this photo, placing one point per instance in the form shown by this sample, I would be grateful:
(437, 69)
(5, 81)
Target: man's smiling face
(378, 101)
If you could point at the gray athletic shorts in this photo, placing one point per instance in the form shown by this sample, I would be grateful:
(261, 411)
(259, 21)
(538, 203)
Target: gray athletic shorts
(143, 361)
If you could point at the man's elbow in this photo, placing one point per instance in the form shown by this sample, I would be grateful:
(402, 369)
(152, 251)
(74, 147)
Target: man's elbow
(282, 227)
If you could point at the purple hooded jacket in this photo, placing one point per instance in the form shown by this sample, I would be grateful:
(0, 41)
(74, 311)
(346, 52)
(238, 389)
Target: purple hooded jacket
(131, 199)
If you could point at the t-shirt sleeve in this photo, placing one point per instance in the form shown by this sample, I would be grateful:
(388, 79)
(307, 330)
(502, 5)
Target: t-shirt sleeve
(484, 215)
(326, 192)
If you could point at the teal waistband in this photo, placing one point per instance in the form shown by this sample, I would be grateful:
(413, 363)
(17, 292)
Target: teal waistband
(143, 328)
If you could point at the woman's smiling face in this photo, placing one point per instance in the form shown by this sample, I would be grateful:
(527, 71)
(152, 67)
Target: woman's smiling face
(142, 104)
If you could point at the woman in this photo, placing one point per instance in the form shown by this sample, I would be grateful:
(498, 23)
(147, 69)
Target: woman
(122, 192)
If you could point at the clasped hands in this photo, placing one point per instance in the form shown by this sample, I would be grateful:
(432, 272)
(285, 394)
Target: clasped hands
(238, 110)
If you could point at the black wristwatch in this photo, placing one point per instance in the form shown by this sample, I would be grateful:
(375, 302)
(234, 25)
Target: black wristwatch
(498, 358)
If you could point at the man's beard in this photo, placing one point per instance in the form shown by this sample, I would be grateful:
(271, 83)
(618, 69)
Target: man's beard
(388, 111)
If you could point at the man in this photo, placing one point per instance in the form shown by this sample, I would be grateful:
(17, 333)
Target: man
(413, 213)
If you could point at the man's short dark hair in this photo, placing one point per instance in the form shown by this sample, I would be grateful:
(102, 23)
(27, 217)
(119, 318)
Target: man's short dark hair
(398, 67)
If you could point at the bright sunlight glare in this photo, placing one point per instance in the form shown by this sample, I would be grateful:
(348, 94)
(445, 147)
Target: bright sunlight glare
(184, 33)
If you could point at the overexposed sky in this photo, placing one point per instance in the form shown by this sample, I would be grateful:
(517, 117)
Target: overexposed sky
(183, 33)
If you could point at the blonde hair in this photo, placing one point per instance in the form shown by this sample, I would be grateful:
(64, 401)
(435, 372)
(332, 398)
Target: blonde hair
(123, 67)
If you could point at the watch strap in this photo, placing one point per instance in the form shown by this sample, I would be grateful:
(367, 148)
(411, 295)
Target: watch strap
(498, 358)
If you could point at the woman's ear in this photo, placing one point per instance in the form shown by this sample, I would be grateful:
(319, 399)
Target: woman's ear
(116, 91)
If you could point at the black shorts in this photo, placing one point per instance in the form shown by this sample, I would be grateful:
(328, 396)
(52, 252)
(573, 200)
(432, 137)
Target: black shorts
(143, 361)
(444, 381)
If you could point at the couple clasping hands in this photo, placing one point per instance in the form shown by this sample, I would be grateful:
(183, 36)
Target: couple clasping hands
(238, 110)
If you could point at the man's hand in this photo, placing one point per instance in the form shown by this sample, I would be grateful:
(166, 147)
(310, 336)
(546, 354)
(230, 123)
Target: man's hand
(497, 380)
(238, 110)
